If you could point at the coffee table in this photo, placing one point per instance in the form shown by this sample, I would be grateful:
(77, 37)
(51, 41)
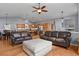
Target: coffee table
(37, 47)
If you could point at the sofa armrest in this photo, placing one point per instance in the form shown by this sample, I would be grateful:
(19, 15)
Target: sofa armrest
(68, 39)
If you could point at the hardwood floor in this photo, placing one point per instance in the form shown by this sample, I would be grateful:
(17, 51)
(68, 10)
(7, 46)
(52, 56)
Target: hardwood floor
(7, 50)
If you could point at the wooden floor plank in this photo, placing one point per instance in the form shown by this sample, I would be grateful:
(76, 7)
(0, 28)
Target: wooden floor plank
(6, 49)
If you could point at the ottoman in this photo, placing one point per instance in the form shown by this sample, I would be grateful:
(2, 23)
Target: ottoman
(37, 47)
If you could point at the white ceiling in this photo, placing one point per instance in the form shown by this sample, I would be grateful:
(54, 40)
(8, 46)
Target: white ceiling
(24, 10)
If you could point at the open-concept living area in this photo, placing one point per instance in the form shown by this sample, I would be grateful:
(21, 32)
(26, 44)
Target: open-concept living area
(39, 29)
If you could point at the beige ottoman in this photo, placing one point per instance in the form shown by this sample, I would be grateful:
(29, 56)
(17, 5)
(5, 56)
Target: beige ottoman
(37, 47)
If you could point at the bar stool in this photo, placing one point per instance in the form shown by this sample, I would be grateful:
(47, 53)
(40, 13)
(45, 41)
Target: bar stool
(0, 36)
(1, 39)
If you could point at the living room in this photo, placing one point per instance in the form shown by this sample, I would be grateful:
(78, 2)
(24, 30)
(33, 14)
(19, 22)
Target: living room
(56, 23)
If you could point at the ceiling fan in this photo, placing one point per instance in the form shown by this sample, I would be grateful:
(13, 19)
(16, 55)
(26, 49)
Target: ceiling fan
(39, 9)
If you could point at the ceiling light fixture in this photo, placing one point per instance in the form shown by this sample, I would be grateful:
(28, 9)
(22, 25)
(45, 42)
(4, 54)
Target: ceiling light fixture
(6, 17)
(39, 11)
(62, 15)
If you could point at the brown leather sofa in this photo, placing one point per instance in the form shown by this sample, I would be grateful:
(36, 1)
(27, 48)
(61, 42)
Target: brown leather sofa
(18, 37)
(61, 38)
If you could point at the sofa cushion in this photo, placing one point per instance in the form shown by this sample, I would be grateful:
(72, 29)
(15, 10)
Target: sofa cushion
(27, 37)
(54, 34)
(48, 33)
(62, 34)
(24, 34)
(60, 40)
(45, 37)
(16, 35)
(52, 38)
(20, 38)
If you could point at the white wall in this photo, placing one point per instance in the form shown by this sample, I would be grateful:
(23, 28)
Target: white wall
(78, 16)
(71, 20)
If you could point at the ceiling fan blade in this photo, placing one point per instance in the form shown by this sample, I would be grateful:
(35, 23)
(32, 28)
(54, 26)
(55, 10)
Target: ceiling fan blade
(44, 10)
(43, 7)
(34, 11)
(35, 7)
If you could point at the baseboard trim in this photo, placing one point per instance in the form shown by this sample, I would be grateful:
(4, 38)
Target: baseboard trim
(73, 44)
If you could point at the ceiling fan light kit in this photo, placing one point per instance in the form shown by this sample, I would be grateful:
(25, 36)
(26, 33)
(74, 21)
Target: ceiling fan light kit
(39, 9)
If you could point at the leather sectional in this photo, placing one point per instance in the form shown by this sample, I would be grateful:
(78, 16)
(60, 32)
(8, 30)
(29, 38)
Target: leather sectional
(19, 37)
(61, 38)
